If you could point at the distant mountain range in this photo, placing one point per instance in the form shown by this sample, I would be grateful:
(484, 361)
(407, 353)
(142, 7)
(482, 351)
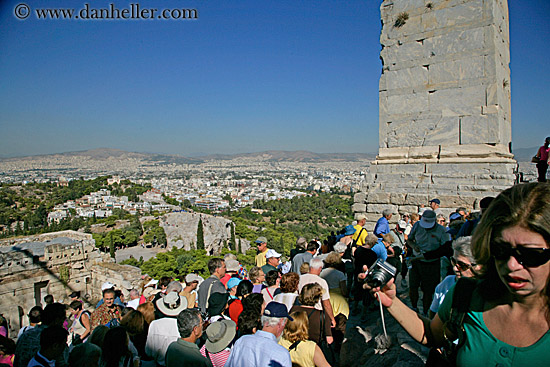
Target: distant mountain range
(272, 155)
(525, 154)
(521, 155)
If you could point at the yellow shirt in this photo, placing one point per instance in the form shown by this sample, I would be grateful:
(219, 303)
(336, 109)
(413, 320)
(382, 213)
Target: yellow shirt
(260, 258)
(303, 354)
(361, 240)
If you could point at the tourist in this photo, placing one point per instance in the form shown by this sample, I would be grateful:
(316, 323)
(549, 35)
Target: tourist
(53, 344)
(107, 313)
(236, 305)
(261, 348)
(115, 351)
(217, 305)
(272, 261)
(134, 299)
(425, 236)
(272, 279)
(81, 328)
(319, 321)
(260, 259)
(85, 355)
(212, 284)
(360, 232)
(162, 332)
(34, 316)
(315, 268)
(336, 281)
(148, 311)
(383, 225)
(192, 281)
(173, 287)
(29, 344)
(303, 352)
(135, 325)
(300, 248)
(470, 225)
(435, 206)
(507, 318)
(304, 257)
(364, 256)
(232, 285)
(7, 351)
(98, 336)
(544, 159)
(219, 338)
(232, 266)
(289, 290)
(464, 266)
(184, 351)
(257, 277)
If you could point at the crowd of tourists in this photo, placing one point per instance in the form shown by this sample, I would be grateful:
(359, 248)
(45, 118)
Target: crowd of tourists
(481, 274)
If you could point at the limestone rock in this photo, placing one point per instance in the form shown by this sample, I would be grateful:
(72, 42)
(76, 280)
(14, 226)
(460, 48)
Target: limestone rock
(181, 230)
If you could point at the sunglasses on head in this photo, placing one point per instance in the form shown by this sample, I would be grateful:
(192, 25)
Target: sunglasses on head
(527, 256)
(461, 266)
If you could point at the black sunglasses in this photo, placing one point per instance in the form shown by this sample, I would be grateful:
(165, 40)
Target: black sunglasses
(530, 257)
(461, 266)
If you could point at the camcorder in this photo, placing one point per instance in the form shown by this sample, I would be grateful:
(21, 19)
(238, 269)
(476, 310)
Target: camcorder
(380, 274)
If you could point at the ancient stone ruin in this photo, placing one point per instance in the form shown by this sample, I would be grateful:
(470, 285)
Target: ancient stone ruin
(444, 96)
(181, 231)
(55, 263)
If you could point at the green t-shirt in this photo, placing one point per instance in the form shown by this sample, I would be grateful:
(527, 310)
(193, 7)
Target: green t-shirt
(482, 349)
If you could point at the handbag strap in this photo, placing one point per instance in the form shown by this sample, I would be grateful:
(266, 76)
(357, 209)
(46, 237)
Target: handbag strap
(294, 345)
(208, 294)
(460, 306)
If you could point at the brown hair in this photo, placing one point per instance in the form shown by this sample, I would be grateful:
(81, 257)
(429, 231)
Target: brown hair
(333, 260)
(388, 238)
(133, 322)
(289, 282)
(525, 205)
(310, 294)
(297, 329)
(254, 273)
(147, 309)
(304, 268)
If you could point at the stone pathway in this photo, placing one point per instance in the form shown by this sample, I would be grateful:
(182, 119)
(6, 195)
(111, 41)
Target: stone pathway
(136, 252)
(360, 347)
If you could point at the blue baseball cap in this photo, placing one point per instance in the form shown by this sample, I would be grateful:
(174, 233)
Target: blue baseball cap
(276, 309)
(233, 282)
(349, 230)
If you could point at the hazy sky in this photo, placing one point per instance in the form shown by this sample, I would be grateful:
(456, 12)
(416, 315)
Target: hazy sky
(245, 76)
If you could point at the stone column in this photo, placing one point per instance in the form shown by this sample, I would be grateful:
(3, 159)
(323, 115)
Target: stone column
(444, 96)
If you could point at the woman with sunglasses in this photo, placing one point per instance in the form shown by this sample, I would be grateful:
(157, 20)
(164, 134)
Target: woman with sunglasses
(464, 266)
(508, 320)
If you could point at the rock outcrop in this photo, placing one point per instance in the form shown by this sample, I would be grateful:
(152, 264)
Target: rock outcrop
(181, 231)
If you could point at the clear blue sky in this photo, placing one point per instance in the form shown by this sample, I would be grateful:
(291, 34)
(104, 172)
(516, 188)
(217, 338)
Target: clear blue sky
(246, 76)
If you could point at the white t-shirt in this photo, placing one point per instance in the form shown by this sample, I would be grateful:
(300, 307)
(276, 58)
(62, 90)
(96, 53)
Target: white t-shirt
(133, 303)
(440, 292)
(312, 278)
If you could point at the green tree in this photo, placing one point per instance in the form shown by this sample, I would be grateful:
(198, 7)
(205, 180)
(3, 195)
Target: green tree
(233, 241)
(111, 245)
(200, 236)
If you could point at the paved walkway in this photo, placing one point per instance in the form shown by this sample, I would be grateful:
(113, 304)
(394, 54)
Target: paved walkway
(360, 347)
(136, 252)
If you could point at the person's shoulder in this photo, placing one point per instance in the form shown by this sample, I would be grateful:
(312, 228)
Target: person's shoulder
(446, 283)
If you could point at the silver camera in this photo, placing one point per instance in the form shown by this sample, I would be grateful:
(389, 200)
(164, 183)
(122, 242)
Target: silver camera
(380, 273)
